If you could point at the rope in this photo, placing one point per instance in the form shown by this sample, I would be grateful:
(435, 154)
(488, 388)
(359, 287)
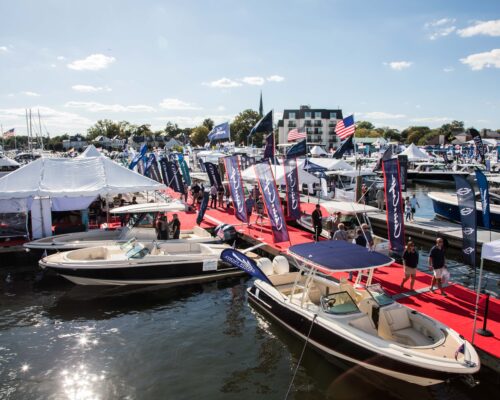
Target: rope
(300, 358)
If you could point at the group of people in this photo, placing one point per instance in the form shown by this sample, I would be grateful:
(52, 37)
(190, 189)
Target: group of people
(254, 203)
(411, 204)
(216, 193)
(164, 228)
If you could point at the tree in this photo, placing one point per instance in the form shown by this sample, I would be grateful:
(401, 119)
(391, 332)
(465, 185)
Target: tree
(451, 129)
(241, 126)
(108, 128)
(414, 133)
(199, 135)
(208, 123)
(172, 130)
(365, 125)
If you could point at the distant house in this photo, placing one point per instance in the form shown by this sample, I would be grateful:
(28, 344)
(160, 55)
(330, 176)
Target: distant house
(171, 143)
(76, 142)
(461, 138)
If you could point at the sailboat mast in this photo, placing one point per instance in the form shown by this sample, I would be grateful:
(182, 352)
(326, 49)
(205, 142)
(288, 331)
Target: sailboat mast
(40, 127)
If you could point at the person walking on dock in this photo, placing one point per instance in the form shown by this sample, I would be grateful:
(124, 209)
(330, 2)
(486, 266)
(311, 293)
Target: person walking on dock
(249, 203)
(317, 218)
(341, 233)
(220, 196)
(413, 204)
(176, 227)
(213, 196)
(407, 210)
(380, 199)
(437, 263)
(368, 236)
(410, 262)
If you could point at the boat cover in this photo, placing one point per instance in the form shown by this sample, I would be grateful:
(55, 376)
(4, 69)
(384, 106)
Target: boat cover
(491, 251)
(338, 255)
(149, 207)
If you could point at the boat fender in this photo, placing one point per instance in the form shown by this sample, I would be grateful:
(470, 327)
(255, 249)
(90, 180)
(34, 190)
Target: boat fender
(281, 265)
(265, 265)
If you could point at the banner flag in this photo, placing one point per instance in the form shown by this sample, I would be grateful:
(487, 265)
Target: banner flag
(386, 156)
(203, 208)
(149, 162)
(184, 169)
(171, 176)
(403, 171)
(213, 174)
(265, 124)
(140, 166)
(269, 149)
(468, 217)
(292, 188)
(236, 187)
(241, 261)
(138, 156)
(154, 172)
(272, 201)
(394, 205)
(482, 182)
(478, 142)
(345, 146)
(222, 131)
(297, 150)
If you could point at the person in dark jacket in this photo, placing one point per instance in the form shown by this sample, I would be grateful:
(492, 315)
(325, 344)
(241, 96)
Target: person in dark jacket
(437, 263)
(410, 262)
(175, 225)
(360, 238)
(317, 218)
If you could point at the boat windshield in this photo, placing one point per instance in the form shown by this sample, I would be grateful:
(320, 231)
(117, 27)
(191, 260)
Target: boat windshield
(138, 251)
(141, 220)
(339, 304)
(379, 295)
(128, 244)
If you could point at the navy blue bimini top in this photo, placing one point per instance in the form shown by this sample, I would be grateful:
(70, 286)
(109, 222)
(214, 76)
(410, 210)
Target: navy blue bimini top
(338, 255)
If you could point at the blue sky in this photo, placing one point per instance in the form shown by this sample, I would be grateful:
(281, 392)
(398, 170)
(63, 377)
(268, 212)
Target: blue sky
(394, 63)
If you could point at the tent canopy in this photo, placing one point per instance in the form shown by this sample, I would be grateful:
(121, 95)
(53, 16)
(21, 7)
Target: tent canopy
(304, 177)
(415, 154)
(61, 177)
(90, 151)
(318, 151)
(491, 251)
(330, 164)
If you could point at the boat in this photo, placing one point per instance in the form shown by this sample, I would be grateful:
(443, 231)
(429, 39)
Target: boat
(446, 206)
(352, 216)
(433, 172)
(7, 165)
(140, 226)
(360, 326)
(141, 263)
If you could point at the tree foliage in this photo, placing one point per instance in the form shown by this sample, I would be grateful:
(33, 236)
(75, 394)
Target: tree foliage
(241, 126)
(208, 123)
(199, 135)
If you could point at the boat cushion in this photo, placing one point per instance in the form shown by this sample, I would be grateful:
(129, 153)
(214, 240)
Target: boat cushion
(397, 319)
(365, 324)
(412, 337)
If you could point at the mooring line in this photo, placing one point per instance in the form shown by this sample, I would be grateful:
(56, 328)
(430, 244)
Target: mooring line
(300, 358)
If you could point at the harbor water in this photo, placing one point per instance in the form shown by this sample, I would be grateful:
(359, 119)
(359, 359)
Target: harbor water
(62, 341)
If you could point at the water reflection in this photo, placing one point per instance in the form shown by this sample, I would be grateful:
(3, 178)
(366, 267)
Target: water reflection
(79, 383)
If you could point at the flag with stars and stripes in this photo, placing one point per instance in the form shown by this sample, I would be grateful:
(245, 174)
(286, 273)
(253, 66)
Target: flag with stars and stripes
(345, 127)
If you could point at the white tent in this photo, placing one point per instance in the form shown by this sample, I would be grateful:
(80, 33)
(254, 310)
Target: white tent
(304, 177)
(415, 154)
(331, 164)
(90, 151)
(318, 151)
(8, 162)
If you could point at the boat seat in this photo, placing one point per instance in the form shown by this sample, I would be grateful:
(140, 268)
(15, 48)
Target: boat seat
(365, 324)
(412, 337)
(395, 324)
(346, 287)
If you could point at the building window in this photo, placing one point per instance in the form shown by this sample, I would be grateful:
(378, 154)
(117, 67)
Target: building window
(307, 114)
(317, 114)
(307, 123)
(291, 115)
(318, 123)
(292, 124)
(333, 115)
(309, 130)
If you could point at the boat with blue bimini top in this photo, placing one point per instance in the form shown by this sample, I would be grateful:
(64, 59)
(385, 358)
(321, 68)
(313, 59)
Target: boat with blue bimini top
(358, 325)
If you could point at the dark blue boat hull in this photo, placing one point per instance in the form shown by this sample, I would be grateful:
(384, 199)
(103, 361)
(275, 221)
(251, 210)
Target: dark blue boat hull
(451, 212)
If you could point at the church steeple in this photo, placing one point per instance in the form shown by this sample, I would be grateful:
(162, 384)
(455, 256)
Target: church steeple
(261, 106)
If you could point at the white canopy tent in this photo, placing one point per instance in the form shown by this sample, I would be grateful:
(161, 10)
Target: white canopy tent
(490, 251)
(415, 154)
(318, 151)
(90, 151)
(331, 164)
(304, 177)
(61, 184)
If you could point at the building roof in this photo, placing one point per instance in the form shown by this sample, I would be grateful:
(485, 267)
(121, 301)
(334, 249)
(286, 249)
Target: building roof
(300, 113)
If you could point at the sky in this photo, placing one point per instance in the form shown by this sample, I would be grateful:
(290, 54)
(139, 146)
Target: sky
(394, 63)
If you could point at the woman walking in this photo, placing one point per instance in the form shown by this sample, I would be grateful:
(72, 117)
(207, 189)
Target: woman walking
(410, 262)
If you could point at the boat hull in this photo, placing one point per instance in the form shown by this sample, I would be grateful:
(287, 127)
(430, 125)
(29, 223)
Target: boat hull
(334, 346)
(451, 212)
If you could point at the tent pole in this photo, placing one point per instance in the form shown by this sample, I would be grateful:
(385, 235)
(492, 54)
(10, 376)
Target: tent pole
(107, 210)
(476, 308)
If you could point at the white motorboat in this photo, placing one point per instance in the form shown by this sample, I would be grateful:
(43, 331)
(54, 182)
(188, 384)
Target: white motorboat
(358, 326)
(7, 165)
(136, 263)
(433, 172)
(140, 227)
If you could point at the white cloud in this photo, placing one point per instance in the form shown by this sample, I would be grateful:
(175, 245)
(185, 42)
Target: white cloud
(448, 69)
(4, 49)
(399, 65)
(90, 89)
(440, 28)
(31, 94)
(254, 80)
(381, 115)
(191, 122)
(99, 107)
(223, 83)
(275, 78)
(221, 108)
(61, 58)
(176, 104)
(489, 28)
(431, 119)
(93, 62)
(483, 60)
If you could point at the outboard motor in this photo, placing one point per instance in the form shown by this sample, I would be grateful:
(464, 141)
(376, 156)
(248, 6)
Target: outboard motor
(227, 233)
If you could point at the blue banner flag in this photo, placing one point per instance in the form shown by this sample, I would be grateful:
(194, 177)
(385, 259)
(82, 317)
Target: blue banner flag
(185, 170)
(297, 150)
(292, 188)
(222, 131)
(265, 124)
(213, 174)
(269, 149)
(241, 261)
(468, 217)
(403, 171)
(171, 176)
(478, 142)
(394, 208)
(236, 187)
(482, 182)
(149, 162)
(138, 156)
(272, 201)
(203, 208)
(347, 145)
(140, 166)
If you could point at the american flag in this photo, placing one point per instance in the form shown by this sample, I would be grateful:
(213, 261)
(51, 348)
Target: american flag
(345, 127)
(294, 134)
(9, 133)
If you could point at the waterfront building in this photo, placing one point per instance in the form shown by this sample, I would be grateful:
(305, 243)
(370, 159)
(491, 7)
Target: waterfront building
(318, 123)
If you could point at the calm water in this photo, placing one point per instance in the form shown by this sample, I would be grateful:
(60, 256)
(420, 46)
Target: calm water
(61, 341)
